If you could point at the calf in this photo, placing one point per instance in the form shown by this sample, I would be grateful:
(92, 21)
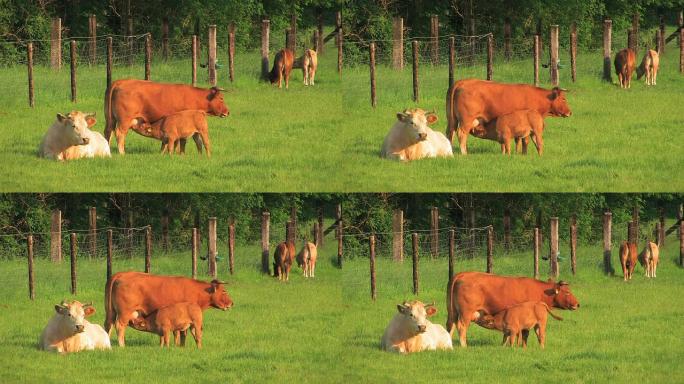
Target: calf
(628, 259)
(306, 259)
(649, 66)
(176, 318)
(67, 131)
(283, 258)
(516, 322)
(309, 66)
(518, 125)
(282, 66)
(624, 67)
(649, 258)
(178, 127)
(411, 139)
(69, 331)
(410, 330)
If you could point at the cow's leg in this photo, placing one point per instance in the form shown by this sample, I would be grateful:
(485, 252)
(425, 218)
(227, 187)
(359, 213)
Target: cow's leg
(198, 142)
(312, 76)
(121, 139)
(525, 334)
(508, 146)
(207, 143)
(197, 334)
(121, 324)
(462, 326)
(287, 79)
(172, 146)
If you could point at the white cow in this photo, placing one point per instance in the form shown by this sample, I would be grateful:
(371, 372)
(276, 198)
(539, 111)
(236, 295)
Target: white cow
(411, 331)
(306, 259)
(649, 258)
(69, 331)
(649, 67)
(69, 138)
(411, 139)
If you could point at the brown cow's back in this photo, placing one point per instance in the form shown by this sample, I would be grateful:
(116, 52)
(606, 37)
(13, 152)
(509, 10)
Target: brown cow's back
(624, 67)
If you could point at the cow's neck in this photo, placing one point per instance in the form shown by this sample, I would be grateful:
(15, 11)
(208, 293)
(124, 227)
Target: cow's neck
(548, 299)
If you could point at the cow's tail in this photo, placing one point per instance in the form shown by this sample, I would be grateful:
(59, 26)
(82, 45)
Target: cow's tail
(109, 121)
(451, 310)
(275, 74)
(452, 121)
(110, 314)
(309, 249)
(551, 313)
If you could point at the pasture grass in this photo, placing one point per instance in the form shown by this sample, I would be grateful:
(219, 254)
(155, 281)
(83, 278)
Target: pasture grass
(328, 330)
(327, 138)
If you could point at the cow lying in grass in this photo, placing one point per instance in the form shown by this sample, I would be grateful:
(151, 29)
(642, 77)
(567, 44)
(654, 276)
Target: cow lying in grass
(177, 128)
(306, 259)
(410, 330)
(516, 322)
(518, 125)
(176, 319)
(69, 138)
(649, 67)
(649, 258)
(69, 331)
(411, 139)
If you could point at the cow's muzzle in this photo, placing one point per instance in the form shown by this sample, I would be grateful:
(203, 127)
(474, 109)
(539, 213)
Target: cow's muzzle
(80, 328)
(225, 114)
(85, 141)
(422, 136)
(422, 328)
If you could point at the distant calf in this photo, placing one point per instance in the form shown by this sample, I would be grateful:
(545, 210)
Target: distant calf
(176, 319)
(306, 259)
(282, 66)
(624, 67)
(518, 125)
(69, 331)
(649, 258)
(177, 127)
(410, 330)
(628, 259)
(70, 138)
(309, 66)
(283, 258)
(649, 67)
(515, 322)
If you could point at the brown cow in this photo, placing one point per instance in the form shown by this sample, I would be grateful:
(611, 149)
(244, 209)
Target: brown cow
(649, 66)
(128, 100)
(283, 258)
(624, 67)
(176, 318)
(282, 66)
(470, 102)
(628, 259)
(470, 294)
(177, 128)
(518, 125)
(516, 322)
(129, 293)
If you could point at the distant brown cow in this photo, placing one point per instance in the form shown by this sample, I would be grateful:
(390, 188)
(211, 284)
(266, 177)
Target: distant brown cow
(176, 128)
(127, 100)
(624, 67)
(470, 102)
(515, 322)
(282, 66)
(628, 259)
(176, 318)
(518, 125)
(283, 258)
(649, 67)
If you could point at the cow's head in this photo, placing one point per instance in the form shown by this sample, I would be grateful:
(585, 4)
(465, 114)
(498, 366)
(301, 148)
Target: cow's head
(217, 105)
(218, 296)
(559, 104)
(72, 315)
(562, 296)
(74, 126)
(415, 314)
(415, 123)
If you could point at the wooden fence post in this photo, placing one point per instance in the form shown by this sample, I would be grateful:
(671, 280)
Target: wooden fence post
(507, 39)
(73, 262)
(490, 57)
(315, 40)
(374, 101)
(72, 66)
(681, 49)
(452, 245)
(607, 50)
(110, 244)
(490, 249)
(635, 31)
(452, 60)
(92, 41)
(661, 36)
(231, 54)
(434, 39)
(681, 241)
(148, 248)
(371, 243)
(231, 247)
(56, 44)
(536, 252)
(211, 247)
(129, 40)
(434, 232)
(110, 55)
(195, 246)
(573, 52)
(212, 55)
(92, 231)
(630, 40)
(148, 55)
(553, 247)
(607, 243)
(398, 235)
(316, 230)
(553, 64)
(680, 24)
(573, 244)
(398, 43)
(293, 33)
(415, 258)
(56, 235)
(631, 235)
(165, 38)
(31, 280)
(661, 233)
(319, 241)
(193, 52)
(293, 218)
(507, 229)
(536, 60)
(265, 236)
(416, 96)
(340, 39)
(165, 231)
(29, 54)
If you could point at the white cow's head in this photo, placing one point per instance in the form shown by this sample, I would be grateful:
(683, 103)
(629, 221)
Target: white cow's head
(415, 123)
(414, 314)
(72, 315)
(74, 126)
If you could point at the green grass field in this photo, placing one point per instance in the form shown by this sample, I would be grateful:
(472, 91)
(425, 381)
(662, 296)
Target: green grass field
(327, 137)
(328, 329)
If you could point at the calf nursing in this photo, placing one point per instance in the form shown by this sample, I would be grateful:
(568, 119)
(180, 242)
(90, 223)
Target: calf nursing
(177, 319)
(518, 125)
(515, 322)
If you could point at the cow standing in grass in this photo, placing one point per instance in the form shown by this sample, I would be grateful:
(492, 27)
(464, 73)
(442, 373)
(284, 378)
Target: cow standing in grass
(624, 67)
(173, 130)
(306, 259)
(515, 322)
(628, 259)
(283, 258)
(649, 67)
(649, 258)
(282, 67)
(309, 66)
(518, 125)
(410, 330)
(177, 319)
(69, 331)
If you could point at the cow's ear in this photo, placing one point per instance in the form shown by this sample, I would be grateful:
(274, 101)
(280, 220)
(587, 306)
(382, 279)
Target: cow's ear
(401, 116)
(88, 311)
(401, 308)
(431, 118)
(90, 119)
(429, 311)
(555, 92)
(61, 117)
(61, 309)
